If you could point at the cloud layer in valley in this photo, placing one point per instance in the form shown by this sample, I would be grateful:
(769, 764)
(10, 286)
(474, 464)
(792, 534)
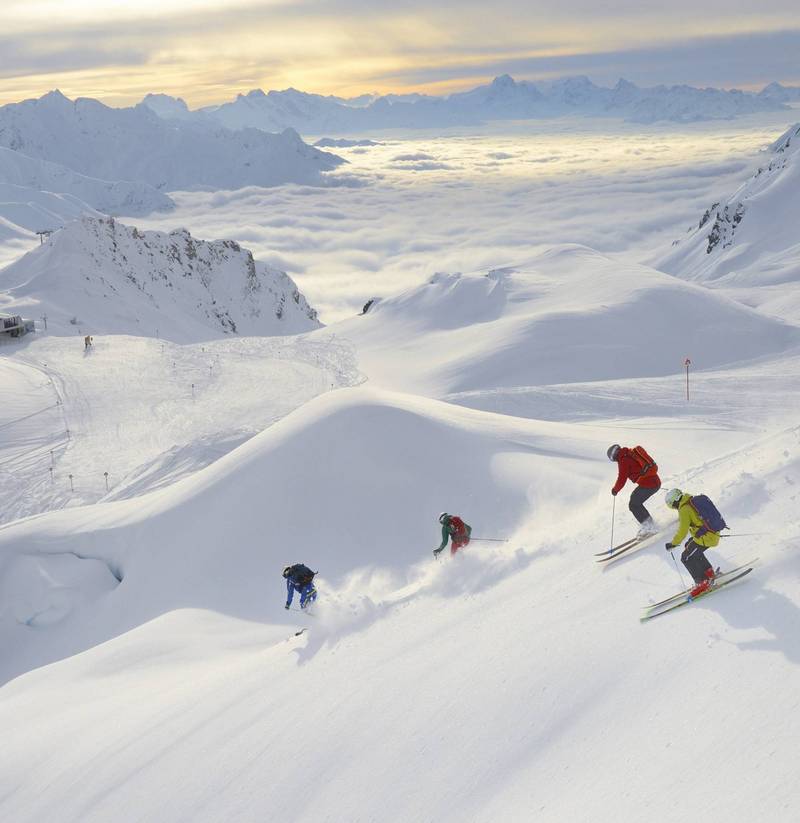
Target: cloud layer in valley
(410, 207)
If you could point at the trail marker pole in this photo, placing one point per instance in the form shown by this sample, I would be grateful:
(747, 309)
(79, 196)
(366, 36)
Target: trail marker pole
(687, 363)
(71, 486)
(105, 474)
(192, 391)
(52, 476)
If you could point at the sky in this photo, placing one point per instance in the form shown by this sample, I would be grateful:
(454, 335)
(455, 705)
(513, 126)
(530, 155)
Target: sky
(206, 51)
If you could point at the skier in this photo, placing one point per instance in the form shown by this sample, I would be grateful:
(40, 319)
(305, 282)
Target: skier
(299, 578)
(453, 527)
(636, 465)
(87, 342)
(698, 516)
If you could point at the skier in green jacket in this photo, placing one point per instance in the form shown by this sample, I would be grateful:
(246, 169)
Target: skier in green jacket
(453, 527)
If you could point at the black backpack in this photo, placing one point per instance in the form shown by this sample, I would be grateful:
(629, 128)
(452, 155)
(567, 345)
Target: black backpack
(301, 575)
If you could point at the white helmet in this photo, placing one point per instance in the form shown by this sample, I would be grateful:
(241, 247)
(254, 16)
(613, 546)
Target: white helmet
(442, 517)
(673, 498)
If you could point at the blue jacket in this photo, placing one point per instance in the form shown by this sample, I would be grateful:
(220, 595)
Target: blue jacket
(307, 592)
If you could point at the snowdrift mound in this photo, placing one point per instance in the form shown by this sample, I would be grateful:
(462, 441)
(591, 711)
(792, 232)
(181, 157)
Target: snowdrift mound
(136, 144)
(749, 238)
(569, 315)
(324, 486)
(102, 276)
(119, 197)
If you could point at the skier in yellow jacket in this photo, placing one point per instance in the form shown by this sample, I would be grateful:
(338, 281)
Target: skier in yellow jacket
(697, 516)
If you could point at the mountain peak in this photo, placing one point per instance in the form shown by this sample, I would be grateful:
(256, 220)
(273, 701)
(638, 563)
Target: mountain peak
(504, 81)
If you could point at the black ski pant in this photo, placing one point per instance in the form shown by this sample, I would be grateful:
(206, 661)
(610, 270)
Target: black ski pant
(636, 505)
(696, 562)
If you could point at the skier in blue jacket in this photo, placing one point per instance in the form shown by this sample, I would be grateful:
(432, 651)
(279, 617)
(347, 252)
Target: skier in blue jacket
(301, 579)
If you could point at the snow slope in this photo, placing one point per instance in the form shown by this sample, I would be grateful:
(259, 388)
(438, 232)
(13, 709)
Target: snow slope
(489, 687)
(747, 243)
(145, 411)
(135, 144)
(570, 314)
(750, 237)
(100, 276)
(119, 197)
(150, 672)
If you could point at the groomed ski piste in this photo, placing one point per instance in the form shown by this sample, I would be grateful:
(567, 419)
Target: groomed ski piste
(151, 673)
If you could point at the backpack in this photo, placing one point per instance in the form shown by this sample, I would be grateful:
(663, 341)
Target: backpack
(713, 521)
(301, 575)
(457, 526)
(647, 466)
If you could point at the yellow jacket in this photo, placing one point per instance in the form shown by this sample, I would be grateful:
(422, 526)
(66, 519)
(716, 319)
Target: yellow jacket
(689, 522)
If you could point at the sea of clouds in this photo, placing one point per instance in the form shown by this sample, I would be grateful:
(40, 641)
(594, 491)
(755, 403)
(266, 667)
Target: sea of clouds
(470, 201)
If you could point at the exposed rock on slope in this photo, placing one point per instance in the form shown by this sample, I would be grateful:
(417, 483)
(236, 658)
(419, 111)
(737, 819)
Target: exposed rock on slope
(105, 277)
(749, 238)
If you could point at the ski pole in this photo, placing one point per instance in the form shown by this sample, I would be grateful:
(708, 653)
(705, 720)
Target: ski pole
(683, 585)
(489, 539)
(613, 512)
(746, 534)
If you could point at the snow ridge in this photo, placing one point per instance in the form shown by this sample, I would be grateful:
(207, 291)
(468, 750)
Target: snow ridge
(749, 237)
(108, 277)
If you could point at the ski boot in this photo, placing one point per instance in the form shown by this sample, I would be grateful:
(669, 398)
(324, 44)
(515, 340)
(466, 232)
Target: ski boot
(705, 584)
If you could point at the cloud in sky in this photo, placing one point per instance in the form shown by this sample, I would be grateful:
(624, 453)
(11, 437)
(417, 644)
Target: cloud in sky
(570, 181)
(205, 52)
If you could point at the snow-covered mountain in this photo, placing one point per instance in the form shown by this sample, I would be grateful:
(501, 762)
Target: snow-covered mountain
(781, 94)
(118, 198)
(748, 238)
(136, 144)
(101, 276)
(503, 98)
(488, 339)
(166, 107)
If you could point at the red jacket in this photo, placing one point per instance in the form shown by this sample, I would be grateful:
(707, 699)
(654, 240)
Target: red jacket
(629, 469)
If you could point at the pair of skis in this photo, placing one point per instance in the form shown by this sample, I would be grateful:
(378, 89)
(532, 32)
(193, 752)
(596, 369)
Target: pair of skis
(624, 548)
(684, 598)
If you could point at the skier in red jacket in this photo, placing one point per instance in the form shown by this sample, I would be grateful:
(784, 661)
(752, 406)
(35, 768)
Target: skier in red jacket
(455, 529)
(636, 465)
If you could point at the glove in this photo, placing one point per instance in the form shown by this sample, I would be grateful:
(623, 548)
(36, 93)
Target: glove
(686, 544)
(613, 493)
(437, 552)
(286, 606)
(669, 547)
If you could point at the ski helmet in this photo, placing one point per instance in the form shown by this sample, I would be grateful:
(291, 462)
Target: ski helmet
(612, 452)
(443, 516)
(286, 571)
(673, 498)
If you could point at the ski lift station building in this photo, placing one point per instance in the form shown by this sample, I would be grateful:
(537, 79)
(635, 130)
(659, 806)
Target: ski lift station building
(12, 325)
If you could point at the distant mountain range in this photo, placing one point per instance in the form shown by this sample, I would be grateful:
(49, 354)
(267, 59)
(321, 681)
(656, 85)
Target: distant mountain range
(135, 144)
(502, 99)
(102, 276)
(61, 157)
